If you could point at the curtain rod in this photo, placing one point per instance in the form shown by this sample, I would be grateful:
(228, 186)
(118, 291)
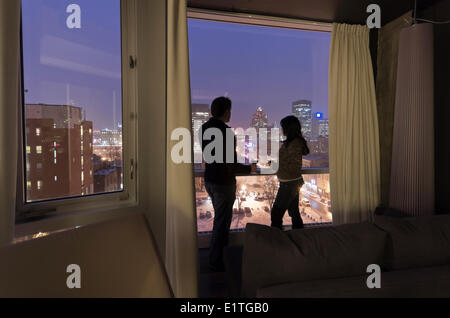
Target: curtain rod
(258, 19)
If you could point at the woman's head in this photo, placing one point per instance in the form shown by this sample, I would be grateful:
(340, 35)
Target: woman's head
(291, 127)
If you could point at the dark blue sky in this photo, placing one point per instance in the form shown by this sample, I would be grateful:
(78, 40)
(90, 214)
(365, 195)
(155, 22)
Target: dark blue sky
(258, 66)
(86, 59)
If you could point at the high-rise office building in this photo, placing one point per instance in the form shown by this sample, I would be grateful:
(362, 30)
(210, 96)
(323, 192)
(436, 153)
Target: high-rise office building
(200, 115)
(259, 119)
(302, 109)
(58, 152)
(319, 125)
(64, 116)
(323, 127)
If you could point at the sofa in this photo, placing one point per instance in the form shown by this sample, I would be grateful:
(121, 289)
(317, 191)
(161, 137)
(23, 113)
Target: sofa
(412, 253)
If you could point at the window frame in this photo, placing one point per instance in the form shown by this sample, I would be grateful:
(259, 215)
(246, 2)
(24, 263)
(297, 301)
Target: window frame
(29, 211)
(265, 21)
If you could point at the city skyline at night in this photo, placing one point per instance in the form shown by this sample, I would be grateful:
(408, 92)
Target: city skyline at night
(72, 99)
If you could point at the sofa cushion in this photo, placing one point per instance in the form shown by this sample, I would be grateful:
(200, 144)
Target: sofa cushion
(418, 282)
(386, 211)
(272, 256)
(416, 242)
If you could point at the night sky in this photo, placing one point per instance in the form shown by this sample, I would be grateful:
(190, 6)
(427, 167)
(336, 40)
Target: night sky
(258, 66)
(88, 59)
(254, 66)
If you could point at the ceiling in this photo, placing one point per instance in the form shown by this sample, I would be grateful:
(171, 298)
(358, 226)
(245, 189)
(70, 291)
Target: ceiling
(348, 11)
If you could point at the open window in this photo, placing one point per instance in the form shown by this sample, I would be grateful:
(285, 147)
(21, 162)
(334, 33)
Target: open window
(78, 143)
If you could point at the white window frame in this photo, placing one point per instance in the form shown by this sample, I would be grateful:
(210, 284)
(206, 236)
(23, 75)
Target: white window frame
(236, 237)
(96, 202)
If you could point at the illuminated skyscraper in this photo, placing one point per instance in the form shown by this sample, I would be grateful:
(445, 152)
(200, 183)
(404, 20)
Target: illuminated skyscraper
(323, 128)
(200, 115)
(302, 109)
(259, 119)
(319, 125)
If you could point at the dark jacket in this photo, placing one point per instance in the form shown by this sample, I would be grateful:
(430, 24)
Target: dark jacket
(221, 173)
(290, 160)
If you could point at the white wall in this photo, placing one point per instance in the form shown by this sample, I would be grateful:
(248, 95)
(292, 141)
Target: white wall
(151, 66)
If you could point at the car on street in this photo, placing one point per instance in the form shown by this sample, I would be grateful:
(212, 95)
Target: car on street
(305, 202)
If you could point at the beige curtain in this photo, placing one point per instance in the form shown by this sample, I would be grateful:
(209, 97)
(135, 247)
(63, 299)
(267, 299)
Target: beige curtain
(353, 142)
(181, 225)
(9, 103)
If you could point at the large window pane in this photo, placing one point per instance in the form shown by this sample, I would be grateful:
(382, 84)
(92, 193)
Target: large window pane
(255, 196)
(73, 98)
(268, 73)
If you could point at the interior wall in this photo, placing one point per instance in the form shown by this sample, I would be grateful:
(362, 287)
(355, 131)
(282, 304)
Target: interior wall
(151, 69)
(441, 12)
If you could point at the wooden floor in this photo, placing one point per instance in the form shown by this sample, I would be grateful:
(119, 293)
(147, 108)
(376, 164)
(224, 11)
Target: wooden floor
(212, 284)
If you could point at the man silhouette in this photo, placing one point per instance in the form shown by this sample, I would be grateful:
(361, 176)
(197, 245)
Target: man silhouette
(220, 179)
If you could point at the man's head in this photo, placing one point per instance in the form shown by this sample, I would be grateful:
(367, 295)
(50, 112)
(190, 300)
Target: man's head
(221, 109)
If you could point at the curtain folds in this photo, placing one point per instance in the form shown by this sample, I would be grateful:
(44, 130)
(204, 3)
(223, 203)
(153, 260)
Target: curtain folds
(388, 43)
(9, 103)
(181, 225)
(412, 172)
(353, 123)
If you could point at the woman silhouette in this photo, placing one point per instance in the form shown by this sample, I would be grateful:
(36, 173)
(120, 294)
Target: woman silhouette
(289, 174)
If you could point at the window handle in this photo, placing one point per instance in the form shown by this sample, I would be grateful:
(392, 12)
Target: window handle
(132, 62)
(132, 169)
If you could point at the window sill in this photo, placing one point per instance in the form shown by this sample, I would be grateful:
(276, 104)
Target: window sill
(305, 171)
(237, 235)
(71, 220)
